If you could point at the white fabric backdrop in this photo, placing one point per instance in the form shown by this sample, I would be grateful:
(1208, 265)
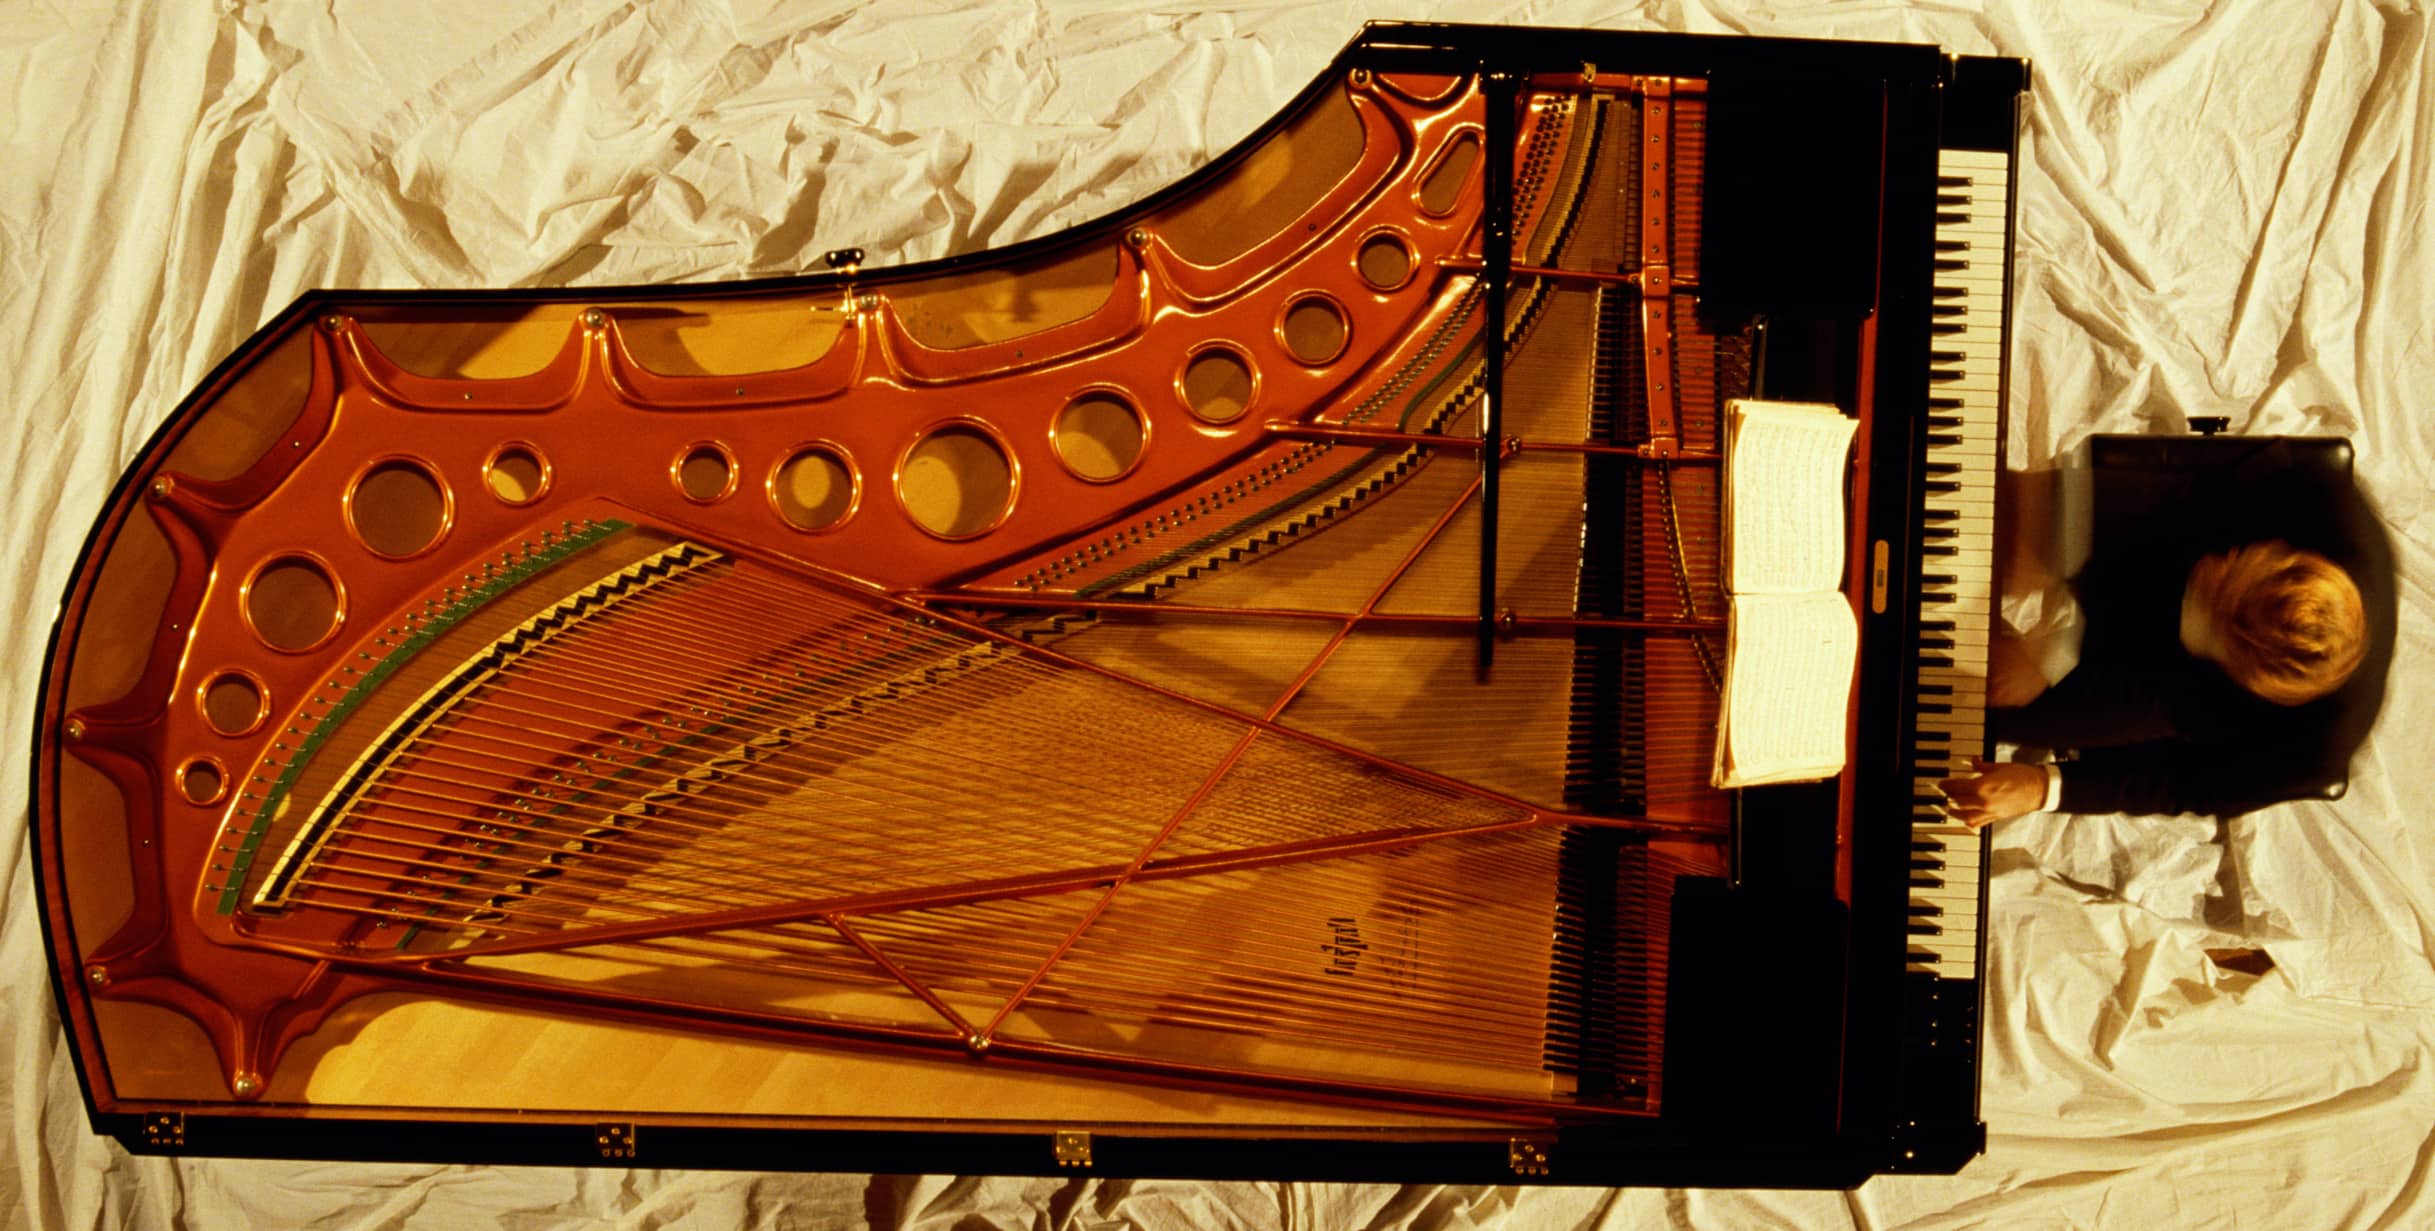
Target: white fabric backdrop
(2224, 210)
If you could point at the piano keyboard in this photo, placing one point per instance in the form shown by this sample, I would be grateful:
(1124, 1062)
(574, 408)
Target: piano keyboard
(1956, 596)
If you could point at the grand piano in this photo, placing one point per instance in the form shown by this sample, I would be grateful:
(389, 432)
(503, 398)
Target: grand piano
(1225, 690)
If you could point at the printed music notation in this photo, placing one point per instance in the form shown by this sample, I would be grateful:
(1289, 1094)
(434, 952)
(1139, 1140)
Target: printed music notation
(1792, 637)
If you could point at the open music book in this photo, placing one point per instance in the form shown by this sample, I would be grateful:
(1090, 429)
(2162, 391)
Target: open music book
(1792, 638)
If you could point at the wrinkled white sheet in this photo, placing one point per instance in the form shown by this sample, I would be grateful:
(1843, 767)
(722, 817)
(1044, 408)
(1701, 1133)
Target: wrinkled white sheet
(2224, 210)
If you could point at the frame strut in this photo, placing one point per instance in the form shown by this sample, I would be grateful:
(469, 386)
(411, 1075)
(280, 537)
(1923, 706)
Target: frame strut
(1656, 262)
(1510, 624)
(1338, 434)
(1500, 89)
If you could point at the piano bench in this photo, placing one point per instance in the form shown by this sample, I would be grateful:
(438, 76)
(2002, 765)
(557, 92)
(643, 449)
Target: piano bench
(2130, 482)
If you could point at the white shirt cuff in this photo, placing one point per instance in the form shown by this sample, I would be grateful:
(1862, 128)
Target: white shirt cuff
(2054, 788)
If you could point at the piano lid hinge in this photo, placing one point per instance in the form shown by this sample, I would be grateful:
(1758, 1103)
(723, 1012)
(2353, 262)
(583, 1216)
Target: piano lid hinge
(616, 1140)
(1529, 1155)
(1072, 1148)
(846, 263)
(165, 1130)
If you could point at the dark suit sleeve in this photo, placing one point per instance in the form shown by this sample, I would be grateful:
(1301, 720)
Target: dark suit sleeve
(2131, 758)
(2172, 776)
(2206, 746)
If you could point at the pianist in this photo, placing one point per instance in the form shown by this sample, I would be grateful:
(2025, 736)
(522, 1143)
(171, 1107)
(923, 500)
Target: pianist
(2245, 677)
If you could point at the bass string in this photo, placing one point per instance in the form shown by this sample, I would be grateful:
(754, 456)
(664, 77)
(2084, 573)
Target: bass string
(1293, 801)
(917, 719)
(1250, 999)
(936, 770)
(912, 719)
(1281, 978)
(974, 951)
(979, 794)
(1147, 1006)
(995, 921)
(906, 716)
(901, 721)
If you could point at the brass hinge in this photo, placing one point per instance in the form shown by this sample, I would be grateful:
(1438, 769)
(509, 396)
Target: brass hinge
(165, 1130)
(616, 1141)
(1072, 1147)
(1528, 1155)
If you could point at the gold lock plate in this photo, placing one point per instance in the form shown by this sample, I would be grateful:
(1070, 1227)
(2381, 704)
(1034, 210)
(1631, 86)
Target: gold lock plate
(1529, 1155)
(165, 1130)
(616, 1141)
(1072, 1147)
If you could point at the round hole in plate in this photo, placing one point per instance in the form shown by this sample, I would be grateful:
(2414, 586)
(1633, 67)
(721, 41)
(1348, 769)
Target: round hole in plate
(293, 603)
(233, 703)
(957, 481)
(1218, 385)
(705, 473)
(1314, 329)
(201, 780)
(1098, 435)
(814, 488)
(517, 474)
(398, 508)
(1385, 261)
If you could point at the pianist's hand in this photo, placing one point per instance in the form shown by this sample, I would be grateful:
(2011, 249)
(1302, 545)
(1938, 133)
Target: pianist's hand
(2000, 791)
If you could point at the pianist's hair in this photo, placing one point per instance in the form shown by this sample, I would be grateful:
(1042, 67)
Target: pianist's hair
(2292, 625)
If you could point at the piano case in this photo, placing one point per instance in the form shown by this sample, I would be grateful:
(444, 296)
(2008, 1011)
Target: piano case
(1223, 691)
